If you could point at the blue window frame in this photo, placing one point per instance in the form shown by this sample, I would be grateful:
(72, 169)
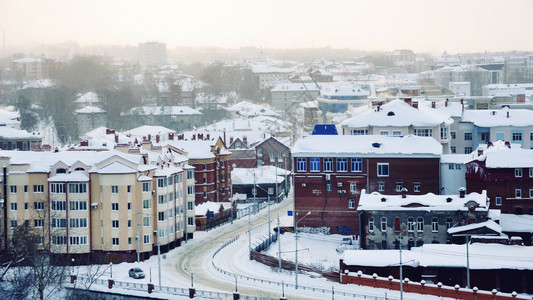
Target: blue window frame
(314, 164)
(328, 164)
(357, 164)
(301, 164)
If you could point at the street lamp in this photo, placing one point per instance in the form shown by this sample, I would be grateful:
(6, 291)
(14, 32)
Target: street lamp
(231, 193)
(158, 257)
(296, 238)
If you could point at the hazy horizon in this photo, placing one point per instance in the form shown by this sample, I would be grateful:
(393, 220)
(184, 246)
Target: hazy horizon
(420, 25)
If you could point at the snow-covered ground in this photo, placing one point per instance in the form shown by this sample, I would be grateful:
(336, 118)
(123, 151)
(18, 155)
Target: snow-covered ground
(251, 277)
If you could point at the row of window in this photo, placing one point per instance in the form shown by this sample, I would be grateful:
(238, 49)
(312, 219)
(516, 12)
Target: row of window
(411, 224)
(356, 164)
(518, 172)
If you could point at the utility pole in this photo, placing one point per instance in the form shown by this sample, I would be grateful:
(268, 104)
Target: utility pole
(401, 272)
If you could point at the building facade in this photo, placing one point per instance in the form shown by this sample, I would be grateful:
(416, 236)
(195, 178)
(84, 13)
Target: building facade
(330, 172)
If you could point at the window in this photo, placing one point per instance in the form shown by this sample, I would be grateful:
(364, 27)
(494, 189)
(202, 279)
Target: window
(468, 150)
(485, 137)
(397, 224)
(449, 223)
(434, 225)
(61, 171)
(13, 189)
(420, 224)
(383, 132)
(190, 190)
(129, 188)
(468, 136)
(353, 187)
(410, 224)
(147, 204)
(190, 221)
(328, 164)
(81, 188)
(190, 174)
(146, 221)
(444, 133)
(161, 216)
(114, 223)
(453, 149)
(351, 203)
(161, 199)
(114, 241)
(114, 206)
(518, 193)
(381, 186)
(530, 172)
(57, 188)
(328, 186)
(38, 223)
(190, 205)
(59, 223)
(38, 188)
(59, 205)
(78, 240)
(26, 205)
(205, 167)
(205, 194)
(146, 186)
(399, 186)
(272, 157)
(371, 224)
(498, 200)
(424, 132)
(129, 205)
(147, 239)
(396, 133)
(452, 135)
(13, 205)
(205, 180)
(530, 193)
(383, 224)
(416, 187)
(357, 164)
(342, 165)
(517, 172)
(517, 136)
(13, 223)
(78, 222)
(301, 164)
(358, 132)
(383, 169)
(77, 205)
(25, 189)
(59, 240)
(114, 189)
(260, 151)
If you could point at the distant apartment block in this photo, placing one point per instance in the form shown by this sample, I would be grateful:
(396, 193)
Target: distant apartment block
(152, 54)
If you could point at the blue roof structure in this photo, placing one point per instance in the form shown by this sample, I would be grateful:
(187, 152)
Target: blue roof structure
(325, 129)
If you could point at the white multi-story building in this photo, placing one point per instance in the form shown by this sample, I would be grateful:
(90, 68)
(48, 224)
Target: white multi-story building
(152, 54)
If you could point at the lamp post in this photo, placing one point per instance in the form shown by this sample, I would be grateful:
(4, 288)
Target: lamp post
(231, 193)
(111, 268)
(467, 237)
(296, 240)
(158, 258)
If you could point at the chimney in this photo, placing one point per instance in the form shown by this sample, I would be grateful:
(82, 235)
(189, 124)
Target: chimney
(245, 140)
(446, 103)
(415, 104)
(479, 152)
(171, 136)
(116, 138)
(157, 138)
(231, 140)
(379, 106)
(507, 115)
(404, 193)
(84, 143)
(408, 100)
(433, 104)
(181, 136)
(208, 137)
(109, 131)
(489, 144)
(200, 136)
(462, 192)
(508, 144)
(194, 137)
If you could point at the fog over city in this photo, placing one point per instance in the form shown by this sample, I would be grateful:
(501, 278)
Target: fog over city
(278, 149)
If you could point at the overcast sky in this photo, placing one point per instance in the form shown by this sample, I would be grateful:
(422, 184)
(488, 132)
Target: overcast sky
(424, 26)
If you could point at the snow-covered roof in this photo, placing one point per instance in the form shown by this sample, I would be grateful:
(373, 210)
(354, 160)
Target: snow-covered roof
(245, 108)
(427, 202)
(195, 149)
(366, 145)
(89, 98)
(397, 113)
(144, 131)
(260, 175)
(264, 68)
(90, 110)
(469, 227)
(9, 117)
(12, 133)
(75, 176)
(516, 223)
(116, 168)
(295, 87)
(164, 110)
(481, 256)
(500, 156)
(455, 158)
(201, 209)
(499, 117)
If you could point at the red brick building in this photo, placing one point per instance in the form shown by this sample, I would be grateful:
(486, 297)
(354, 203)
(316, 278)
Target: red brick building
(330, 171)
(507, 175)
